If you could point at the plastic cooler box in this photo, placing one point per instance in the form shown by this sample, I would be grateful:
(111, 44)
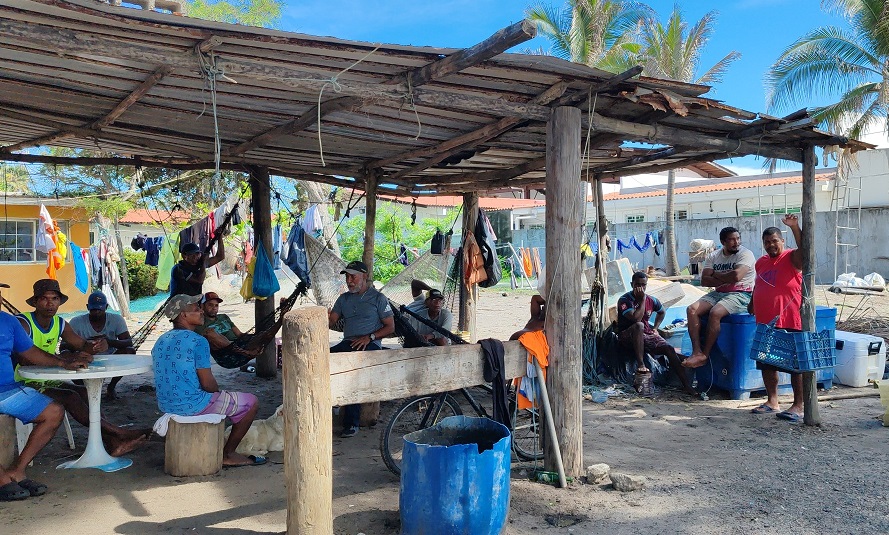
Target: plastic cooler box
(730, 367)
(859, 357)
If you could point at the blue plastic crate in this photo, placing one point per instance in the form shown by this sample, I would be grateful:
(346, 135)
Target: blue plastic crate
(793, 351)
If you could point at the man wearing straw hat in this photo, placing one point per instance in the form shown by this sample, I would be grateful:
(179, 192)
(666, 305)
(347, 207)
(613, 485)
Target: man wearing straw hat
(778, 294)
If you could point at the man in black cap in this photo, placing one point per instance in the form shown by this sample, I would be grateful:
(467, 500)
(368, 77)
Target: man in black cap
(189, 273)
(98, 324)
(367, 318)
(47, 330)
(433, 312)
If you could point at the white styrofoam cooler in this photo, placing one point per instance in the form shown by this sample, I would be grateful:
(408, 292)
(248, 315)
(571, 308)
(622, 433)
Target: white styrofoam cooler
(859, 357)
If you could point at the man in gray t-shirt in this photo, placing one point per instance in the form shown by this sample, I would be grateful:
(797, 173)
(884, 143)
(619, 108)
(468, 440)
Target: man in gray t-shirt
(731, 273)
(434, 312)
(367, 318)
(99, 324)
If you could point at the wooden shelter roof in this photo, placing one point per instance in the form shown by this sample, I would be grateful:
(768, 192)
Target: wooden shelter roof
(84, 74)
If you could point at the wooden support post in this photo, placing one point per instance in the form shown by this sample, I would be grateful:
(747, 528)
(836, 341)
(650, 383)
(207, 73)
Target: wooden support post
(469, 296)
(308, 424)
(807, 310)
(267, 361)
(564, 227)
(602, 231)
(370, 412)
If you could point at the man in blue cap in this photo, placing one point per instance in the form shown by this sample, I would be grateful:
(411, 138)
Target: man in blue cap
(367, 318)
(187, 276)
(98, 324)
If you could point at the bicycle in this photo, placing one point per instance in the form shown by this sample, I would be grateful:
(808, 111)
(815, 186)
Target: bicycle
(425, 411)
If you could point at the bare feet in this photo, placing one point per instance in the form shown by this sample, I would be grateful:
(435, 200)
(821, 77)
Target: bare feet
(237, 459)
(122, 445)
(696, 360)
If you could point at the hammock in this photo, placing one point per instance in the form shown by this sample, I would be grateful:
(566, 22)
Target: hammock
(142, 332)
(10, 307)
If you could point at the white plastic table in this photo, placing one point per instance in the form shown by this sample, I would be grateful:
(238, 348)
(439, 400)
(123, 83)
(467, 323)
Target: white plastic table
(103, 366)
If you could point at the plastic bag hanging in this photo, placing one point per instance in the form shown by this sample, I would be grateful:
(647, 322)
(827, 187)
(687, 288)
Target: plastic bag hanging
(265, 284)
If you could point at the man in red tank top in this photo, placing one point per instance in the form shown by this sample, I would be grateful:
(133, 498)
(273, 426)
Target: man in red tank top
(778, 295)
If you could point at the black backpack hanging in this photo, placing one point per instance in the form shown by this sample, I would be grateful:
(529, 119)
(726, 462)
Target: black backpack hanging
(489, 250)
(437, 246)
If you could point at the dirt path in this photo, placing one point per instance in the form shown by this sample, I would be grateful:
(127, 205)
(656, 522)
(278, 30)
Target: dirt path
(712, 467)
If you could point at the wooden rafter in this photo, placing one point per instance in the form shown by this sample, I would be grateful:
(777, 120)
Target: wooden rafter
(97, 125)
(490, 47)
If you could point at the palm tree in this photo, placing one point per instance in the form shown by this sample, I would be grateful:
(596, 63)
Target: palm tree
(826, 61)
(673, 51)
(597, 33)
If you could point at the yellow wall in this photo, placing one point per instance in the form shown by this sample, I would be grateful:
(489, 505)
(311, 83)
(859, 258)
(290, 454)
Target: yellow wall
(22, 276)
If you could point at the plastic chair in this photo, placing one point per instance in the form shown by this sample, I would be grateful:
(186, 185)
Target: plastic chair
(23, 431)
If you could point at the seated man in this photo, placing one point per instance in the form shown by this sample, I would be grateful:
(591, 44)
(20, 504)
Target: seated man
(228, 345)
(731, 272)
(98, 324)
(186, 386)
(46, 330)
(26, 404)
(433, 311)
(635, 332)
(538, 317)
(417, 289)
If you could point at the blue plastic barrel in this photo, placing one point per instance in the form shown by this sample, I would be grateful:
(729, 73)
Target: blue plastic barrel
(455, 478)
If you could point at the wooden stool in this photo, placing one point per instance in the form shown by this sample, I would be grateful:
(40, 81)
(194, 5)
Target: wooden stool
(8, 443)
(193, 449)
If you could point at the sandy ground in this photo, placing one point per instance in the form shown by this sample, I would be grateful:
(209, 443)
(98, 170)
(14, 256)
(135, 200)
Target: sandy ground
(712, 467)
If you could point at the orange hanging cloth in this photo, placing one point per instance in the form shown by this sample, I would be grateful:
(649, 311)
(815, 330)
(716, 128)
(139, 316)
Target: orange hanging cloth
(473, 262)
(526, 262)
(538, 348)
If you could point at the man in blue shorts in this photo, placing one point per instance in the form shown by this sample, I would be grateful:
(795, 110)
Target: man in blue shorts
(26, 404)
(186, 386)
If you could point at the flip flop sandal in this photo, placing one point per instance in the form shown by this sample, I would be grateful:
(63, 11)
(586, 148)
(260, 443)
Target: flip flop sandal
(34, 488)
(256, 460)
(790, 416)
(11, 492)
(763, 409)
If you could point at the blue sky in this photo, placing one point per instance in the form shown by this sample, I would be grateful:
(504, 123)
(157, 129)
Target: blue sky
(758, 29)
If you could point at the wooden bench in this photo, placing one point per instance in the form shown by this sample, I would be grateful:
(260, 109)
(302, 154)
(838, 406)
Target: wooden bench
(193, 449)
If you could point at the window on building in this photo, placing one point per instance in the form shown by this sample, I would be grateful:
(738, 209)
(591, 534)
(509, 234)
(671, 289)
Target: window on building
(680, 215)
(635, 218)
(769, 211)
(18, 240)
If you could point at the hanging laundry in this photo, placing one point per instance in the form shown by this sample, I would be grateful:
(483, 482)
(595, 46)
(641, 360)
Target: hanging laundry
(527, 265)
(402, 256)
(484, 237)
(473, 262)
(247, 287)
(641, 248)
(44, 242)
(312, 222)
(621, 246)
(81, 278)
(56, 258)
(169, 254)
(657, 243)
(276, 246)
(294, 254)
(138, 242)
(538, 268)
(152, 250)
(96, 267)
(437, 245)
(538, 348)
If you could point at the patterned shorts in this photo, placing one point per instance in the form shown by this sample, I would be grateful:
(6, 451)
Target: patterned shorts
(232, 404)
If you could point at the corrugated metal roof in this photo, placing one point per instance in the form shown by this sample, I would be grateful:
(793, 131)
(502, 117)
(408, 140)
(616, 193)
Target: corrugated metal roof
(85, 74)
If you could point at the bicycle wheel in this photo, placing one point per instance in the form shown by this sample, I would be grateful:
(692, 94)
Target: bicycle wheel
(413, 415)
(527, 440)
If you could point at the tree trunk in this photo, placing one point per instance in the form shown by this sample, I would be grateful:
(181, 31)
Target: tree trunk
(672, 263)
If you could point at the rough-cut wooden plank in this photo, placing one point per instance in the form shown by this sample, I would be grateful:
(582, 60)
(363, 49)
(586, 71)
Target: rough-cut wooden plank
(565, 199)
(365, 376)
(308, 422)
(109, 118)
(490, 47)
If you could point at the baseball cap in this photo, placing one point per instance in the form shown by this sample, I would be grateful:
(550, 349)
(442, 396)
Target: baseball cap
(435, 294)
(354, 267)
(190, 248)
(210, 296)
(96, 301)
(179, 303)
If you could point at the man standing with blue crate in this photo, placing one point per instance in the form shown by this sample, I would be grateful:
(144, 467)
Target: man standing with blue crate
(778, 295)
(730, 272)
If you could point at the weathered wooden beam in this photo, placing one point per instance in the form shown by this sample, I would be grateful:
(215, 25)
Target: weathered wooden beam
(260, 188)
(367, 376)
(496, 44)
(209, 44)
(637, 160)
(675, 136)
(663, 167)
(452, 146)
(88, 133)
(807, 309)
(565, 200)
(292, 127)
(577, 97)
(491, 178)
(108, 119)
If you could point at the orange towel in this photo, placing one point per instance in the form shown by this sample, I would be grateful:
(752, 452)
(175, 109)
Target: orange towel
(535, 343)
